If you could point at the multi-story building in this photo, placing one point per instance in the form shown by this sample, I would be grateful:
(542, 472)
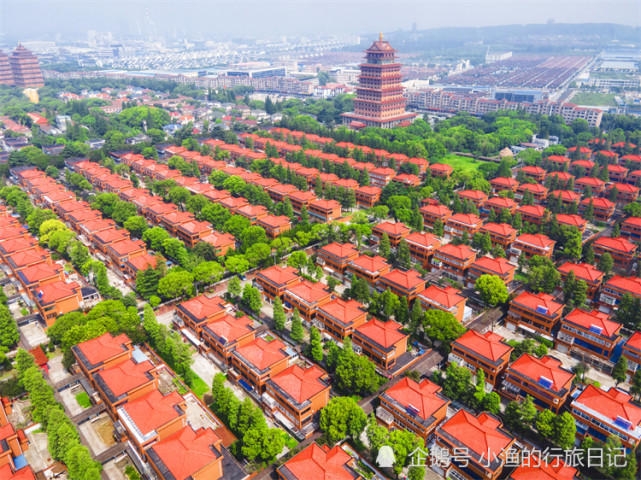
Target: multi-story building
(544, 379)
(533, 214)
(572, 220)
(448, 299)
(615, 288)
(501, 184)
(340, 317)
(440, 170)
(461, 224)
(485, 443)
(295, 397)
(603, 208)
(501, 234)
(273, 281)
(422, 246)
(306, 297)
(55, 299)
(621, 250)
(336, 256)
(119, 253)
(367, 196)
(535, 467)
(487, 352)
(196, 312)
(589, 335)
(381, 176)
(601, 414)
(566, 197)
(589, 184)
(222, 335)
(498, 204)
(406, 284)
(432, 213)
(102, 352)
(631, 228)
(632, 352)
(394, 231)
(583, 271)
(324, 211)
(417, 407)
(275, 225)
(499, 267)
(531, 245)
(325, 462)
(382, 342)
(379, 96)
(538, 314)
(453, 260)
(625, 193)
(25, 69)
(369, 268)
(536, 173)
(537, 190)
(254, 363)
(477, 197)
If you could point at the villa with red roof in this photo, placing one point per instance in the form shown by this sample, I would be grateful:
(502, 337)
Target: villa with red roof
(632, 352)
(394, 231)
(369, 268)
(102, 352)
(253, 213)
(381, 176)
(193, 231)
(603, 208)
(617, 173)
(40, 274)
(630, 227)
(280, 192)
(299, 199)
(535, 468)
(503, 183)
(487, 352)
(336, 256)
(78, 218)
(198, 311)
(532, 244)
(448, 299)
(417, 407)
(544, 379)
(501, 234)
(381, 342)
(583, 271)
(222, 335)
(559, 161)
(614, 289)
(538, 191)
(536, 314)
(441, 170)
(453, 260)
(407, 179)
(153, 417)
(625, 193)
(367, 196)
(422, 246)
(533, 214)
(536, 173)
(171, 221)
(295, 397)
(221, 242)
(498, 204)
(275, 225)
(125, 381)
(340, 317)
(486, 445)
(9, 247)
(572, 220)
(139, 263)
(189, 454)
(320, 463)
(589, 334)
(120, 252)
(306, 297)
(273, 281)
(105, 236)
(461, 223)
(55, 299)
(406, 284)
(600, 414)
(324, 211)
(566, 197)
(583, 152)
(13, 443)
(621, 250)
(477, 197)
(432, 213)
(254, 363)
(595, 185)
(499, 267)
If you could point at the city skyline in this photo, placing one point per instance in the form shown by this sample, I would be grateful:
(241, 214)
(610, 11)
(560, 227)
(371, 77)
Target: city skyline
(247, 18)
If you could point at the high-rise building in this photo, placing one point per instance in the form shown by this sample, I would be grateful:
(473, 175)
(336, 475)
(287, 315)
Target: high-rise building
(379, 98)
(25, 68)
(6, 75)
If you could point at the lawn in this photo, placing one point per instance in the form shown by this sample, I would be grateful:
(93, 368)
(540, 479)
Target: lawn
(462, 163)
(199, 386)
(593, 99)
(83, 400)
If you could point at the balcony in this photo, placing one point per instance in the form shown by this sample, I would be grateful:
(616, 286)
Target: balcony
(384, 416)
(564, 337)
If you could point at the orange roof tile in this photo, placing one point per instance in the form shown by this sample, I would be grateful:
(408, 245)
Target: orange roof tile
(340, 250)
(406, 279)
(125, 377)
(537, 240)
(423, 239)
(584, 271)
(461, 252)
(104, 347)
(480, 434)
(473, 194)
(447, 297)
(501, 202)
(371, 264)
(631, 285)
(571, 219)
(503, 229)
(423, 397)
(301, 384)
(317, 463)
(438, 210)
(534, 210)
(540, 300)
(202, 307)
(546, 366)
(612, 404)
(594, 319)
(468, 219)
(262, 354)
(383, 333)
(345, 311)
(489, 345)
(537, 469)
(619, 244)
(153, 410)
(280, 275)
(230, 328)
(310, 292)
(398, 228)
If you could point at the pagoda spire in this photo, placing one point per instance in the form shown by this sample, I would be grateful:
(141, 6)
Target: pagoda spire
(380, 37)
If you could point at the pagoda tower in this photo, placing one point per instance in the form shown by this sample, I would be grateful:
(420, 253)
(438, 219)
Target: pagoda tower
(25, 67)
(379, 98)
(6, 75)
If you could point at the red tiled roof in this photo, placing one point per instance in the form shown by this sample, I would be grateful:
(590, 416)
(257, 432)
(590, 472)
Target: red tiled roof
(632, 158)
(465, 219)
(634, 341)
(473, 194)
(261, 353)
(53, 292)
(318, 463)
(301, 384)
(382, 172)
(40, 271)
(274, 221)
(153, 410)
(501, 202)
(383, 333)
(462, 252)
(251, 210)
(231, 328)
(195, 226)
(480, 434)
(581, 149)
(311, 292)
(533, 170)
(218, 239)
(144, 261)
(628, 284)
(603, 203)
(538, 240)
(611, 404)
(16, 244)
(187, 451)
(423, 397)
(104, 347)
(534, 210)
(546, 366)
(346, 311)
(127, 246)
(39, 356)
(423, 239)
(371, 264)
(504, 181)
(405, 279)
(489, 345)
(498, 265)
(622, 187)
(448, 297)
(559, 159)
(541, 299)
(562, 176)
(340, 250)
(441, 167)
(619, 243)
(390, 228)
(594, 318)
(438, 210)
(110, 235)
(325, 204)
(202, 307)
(24, 473)
(126, 376)
(590, 181)
(537, 469)
(571, 219)
(566, 195)
(503, 229)
(584, 271)
(617, 169)
(280, 275)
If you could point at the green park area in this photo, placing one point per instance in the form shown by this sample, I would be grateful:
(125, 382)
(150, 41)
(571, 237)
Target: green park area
(466, 164)
(83, 400)
(593, 99)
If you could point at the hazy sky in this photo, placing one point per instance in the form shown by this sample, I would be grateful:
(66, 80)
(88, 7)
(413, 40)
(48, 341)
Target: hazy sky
(31, 18)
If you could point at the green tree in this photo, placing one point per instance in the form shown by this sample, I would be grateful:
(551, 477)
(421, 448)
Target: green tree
(233, 287)
(403, 255)
(457, 383)
(237, 264)
(635, 387)
(384, 247)
(175, 284)
(605, 263)
(342, 417)
(279, 314)
(564, 430)
(438, 228)
(136, 225)
(297, 260)
(9, 334)
(528, 411)
(251, 298)
(442, 328)
(297, 327)
(208, 272)
(620, 369)
(492, 289)
(545, 423)
(316, 347)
